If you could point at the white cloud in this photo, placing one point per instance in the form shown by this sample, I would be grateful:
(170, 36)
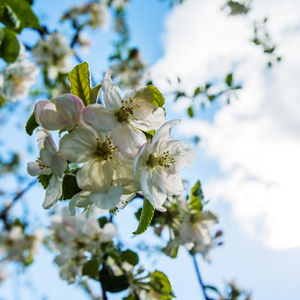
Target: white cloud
(255, 139)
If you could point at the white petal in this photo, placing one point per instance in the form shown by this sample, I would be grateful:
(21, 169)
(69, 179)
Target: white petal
(78, 146)
(109, 231)
(53, 192)
(80, 199)
(41, 134)
(139, 162)
(128, 139)
(125, 199)
(163, 133)
(99, 117)
(95, 175)
(111, 94)
(174, 184)
(183, 155)
(58, 165)
(109, 199)
(153, 188)
(34, 169)
(148, 116)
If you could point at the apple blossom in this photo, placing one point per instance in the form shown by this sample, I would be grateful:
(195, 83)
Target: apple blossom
(50, 161)
(159, 162)
(123, 116)
(16, 80)
(61, 112)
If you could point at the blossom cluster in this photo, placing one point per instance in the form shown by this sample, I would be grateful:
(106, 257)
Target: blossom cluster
(53, 53)
(17, 246)
(77, 240)
(17, 78)
(118, 149)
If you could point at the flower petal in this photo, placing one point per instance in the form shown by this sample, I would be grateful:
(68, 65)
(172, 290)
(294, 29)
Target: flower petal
(153, 187)
(174, 184)
(128, 139)
(163, 133)
(107, 200)
(80, 199)
(111, 94)
(95, 176)
(34, 168)
(147, 116)
(139, 161)
(53, 192)
(78, 146)
(99, 117)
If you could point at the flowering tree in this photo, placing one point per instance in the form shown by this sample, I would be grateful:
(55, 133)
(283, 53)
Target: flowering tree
(102, 145)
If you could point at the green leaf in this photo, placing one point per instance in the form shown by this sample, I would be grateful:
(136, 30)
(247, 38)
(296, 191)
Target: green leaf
(94, 93)
(79, 78)
(149, 134)
(8, 17)
(31, 124)
(197, 91)
(161, 284)
(229, 79)
(211, 97)
(91, 268)
(22, 9)
(130, 257)
(190, 111)
(69, 187)
(10, 46)
(102, 221)
(130, 297)
(213, 288)
(146, 217)
(44, 180)
(112, 283)
(28, 259)
(151, 94)
(197, 198)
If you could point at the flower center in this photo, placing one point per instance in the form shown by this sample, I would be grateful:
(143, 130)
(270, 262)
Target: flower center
(42, 166)
(105, 150)
(164, 160)
(126, 111)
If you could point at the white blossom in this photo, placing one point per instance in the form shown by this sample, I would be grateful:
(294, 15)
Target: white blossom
(50, 161)
(62, 112)
(123, 116)
(54, 53)
(17, 79)
(158, 164)
(76, 239)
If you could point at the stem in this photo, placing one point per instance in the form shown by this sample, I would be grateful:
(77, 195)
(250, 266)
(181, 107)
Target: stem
(202, 285)
(103, 288)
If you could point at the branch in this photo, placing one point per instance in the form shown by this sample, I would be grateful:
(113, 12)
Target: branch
(202, 285)
(3, 215)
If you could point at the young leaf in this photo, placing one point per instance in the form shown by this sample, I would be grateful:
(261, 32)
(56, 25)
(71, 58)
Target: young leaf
(91, 268)
(190, 111)
(10, 46)
(130, 257)
(44, 180)
(8, 17)
(31, 124)
(79, 78)
(146, 217)
(159, 99)
(22, 9)
(70, 187)
(197, 198)
(229, 79)
(94, 93)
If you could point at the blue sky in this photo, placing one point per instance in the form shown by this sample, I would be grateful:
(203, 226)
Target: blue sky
(248, 155)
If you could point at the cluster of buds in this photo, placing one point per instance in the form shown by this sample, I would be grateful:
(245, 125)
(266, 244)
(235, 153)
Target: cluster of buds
(78, 241)
(119, 149)
(54, 54)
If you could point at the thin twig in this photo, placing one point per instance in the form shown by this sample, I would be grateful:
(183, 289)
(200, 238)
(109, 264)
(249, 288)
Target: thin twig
(202, 285)
(3, 214)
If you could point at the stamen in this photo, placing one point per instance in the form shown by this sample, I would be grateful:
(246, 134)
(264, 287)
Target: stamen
(126, 111)
(163, 160)
(105, 150)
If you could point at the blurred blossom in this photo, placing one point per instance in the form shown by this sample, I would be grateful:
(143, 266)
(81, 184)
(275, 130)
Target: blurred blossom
(17, 79)
(54, 54)
(77, 239)
(16, 245)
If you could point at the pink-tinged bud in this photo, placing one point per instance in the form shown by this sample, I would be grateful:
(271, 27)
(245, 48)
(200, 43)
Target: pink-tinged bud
(62, 112)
